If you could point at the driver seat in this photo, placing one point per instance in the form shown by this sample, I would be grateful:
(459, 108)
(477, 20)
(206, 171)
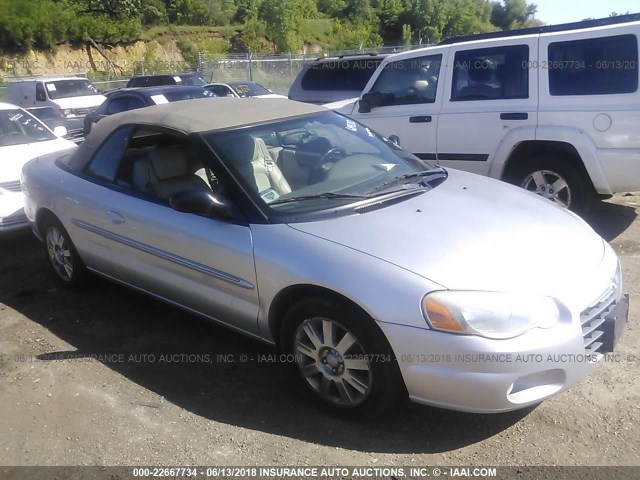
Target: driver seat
(252, 159)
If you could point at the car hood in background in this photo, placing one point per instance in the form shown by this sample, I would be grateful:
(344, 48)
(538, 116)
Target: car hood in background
(86, 101)
(15, 156)
(474, 233)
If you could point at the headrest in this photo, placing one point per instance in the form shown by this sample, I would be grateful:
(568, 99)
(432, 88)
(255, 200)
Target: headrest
(169, 162)
(240, 149)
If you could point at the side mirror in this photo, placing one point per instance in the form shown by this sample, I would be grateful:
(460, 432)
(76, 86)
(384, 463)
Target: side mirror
(395, 140)
(371, 100)
(60, 131)
(200, 201)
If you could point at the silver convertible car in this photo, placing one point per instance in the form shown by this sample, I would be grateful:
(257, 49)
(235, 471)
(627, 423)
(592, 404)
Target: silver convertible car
(378, 275)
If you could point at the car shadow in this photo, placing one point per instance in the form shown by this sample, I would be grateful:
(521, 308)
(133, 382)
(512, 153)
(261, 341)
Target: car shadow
(199, 366)
(610, 219)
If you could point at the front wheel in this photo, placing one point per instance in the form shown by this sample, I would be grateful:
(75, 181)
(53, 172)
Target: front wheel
(557, 180)
(342, 358)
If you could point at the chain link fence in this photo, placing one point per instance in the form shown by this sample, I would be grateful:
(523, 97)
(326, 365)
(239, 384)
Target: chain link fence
(276, 72)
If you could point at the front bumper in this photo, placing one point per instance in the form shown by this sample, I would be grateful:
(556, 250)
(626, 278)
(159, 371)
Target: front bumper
(476, 374)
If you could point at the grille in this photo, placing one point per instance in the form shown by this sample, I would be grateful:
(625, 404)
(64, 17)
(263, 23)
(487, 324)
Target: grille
(592, 320)
(81, 111)
(14, 219)
(11, 186)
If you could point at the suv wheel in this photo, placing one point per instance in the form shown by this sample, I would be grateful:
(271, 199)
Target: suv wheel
(557, 180)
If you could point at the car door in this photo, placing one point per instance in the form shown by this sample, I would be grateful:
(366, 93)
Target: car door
(403, 100)
(491, 94)
(202, 263)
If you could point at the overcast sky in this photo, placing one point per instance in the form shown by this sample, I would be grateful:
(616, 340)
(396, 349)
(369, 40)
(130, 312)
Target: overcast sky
(563, 11)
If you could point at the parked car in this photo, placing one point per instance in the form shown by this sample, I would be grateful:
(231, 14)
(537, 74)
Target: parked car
(22, 137)
(133, 98)
(551, 109)
(52, 118)
(330, 79)
(72, 96)
(378, 275)
(241, 90)
(189, 79)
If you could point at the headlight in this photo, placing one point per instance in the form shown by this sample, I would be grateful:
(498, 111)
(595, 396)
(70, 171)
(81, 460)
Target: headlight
(66, 112)
(488, 314)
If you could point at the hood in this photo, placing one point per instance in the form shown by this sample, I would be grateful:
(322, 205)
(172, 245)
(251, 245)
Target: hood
(474, 233)
(15, 156)
(270, 95)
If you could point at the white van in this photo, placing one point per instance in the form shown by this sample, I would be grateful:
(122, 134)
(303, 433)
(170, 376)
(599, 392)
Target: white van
(553, 109)
(72, 96)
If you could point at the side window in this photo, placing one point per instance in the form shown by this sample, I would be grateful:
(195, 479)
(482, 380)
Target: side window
(135, 103)
(409, 81)
(117, 105)
(105, 162)
(41, 95)
(491, 74)
(597, 66)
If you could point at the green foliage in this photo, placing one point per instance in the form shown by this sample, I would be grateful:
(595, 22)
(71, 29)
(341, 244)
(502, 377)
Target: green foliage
(347, 23)
(283, 19)
(512, 14)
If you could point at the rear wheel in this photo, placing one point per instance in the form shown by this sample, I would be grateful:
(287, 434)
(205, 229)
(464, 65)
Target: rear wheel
(342, 358)
(556, 179)
(63, 258)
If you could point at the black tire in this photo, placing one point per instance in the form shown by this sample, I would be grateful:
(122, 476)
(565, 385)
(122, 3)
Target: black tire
(62, 256)
(578, 194)
(382, 382)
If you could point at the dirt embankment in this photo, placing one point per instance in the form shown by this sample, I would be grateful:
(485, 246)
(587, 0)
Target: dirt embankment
(89, 59)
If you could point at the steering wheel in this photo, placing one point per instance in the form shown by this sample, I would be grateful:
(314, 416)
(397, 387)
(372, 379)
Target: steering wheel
(327, 161)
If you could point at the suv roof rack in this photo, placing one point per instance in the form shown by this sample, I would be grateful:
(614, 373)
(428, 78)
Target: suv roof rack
(545, 29)
(347, 55)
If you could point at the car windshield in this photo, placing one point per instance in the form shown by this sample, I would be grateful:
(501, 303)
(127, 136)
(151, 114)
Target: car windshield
(45, 113)
(250, 89)
(319, 162)
(180, 94)
(18, 127)
(192, 80)
(70, 88)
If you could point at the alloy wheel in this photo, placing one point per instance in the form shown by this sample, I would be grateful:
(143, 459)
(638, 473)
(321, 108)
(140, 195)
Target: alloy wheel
(333, 362)
(549, 185)
(59, 253)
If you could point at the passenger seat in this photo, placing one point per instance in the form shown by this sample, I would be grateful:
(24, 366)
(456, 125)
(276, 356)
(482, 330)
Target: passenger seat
(165, 172)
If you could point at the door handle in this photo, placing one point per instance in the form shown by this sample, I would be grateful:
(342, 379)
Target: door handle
(514, 116)
(420, 119)
(115, 217)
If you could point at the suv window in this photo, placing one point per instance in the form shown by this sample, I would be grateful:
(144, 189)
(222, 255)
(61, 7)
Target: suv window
(491, 74)
(596, 66)
(339, 75)
(413, 80)
(104, 164)
(117, 105)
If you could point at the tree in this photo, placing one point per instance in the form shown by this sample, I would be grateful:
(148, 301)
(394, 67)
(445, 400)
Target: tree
(283, 19)
(188, 12)
(221, 11)
(512, 14)
(247, 10)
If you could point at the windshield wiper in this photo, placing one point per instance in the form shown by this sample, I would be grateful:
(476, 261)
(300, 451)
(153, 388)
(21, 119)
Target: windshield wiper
(314, 196)
(409, 176)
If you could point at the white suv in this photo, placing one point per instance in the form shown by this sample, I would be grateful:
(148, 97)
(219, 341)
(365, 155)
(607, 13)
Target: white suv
(553, 109)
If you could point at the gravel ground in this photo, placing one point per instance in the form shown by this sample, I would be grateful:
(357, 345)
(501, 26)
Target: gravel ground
(62, 406)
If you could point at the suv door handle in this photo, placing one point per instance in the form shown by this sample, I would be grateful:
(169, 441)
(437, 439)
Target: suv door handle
(420, 119)
(115, 217)
(514, 116)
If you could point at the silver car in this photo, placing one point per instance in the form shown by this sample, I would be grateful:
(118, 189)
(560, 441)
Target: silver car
(377, 275)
